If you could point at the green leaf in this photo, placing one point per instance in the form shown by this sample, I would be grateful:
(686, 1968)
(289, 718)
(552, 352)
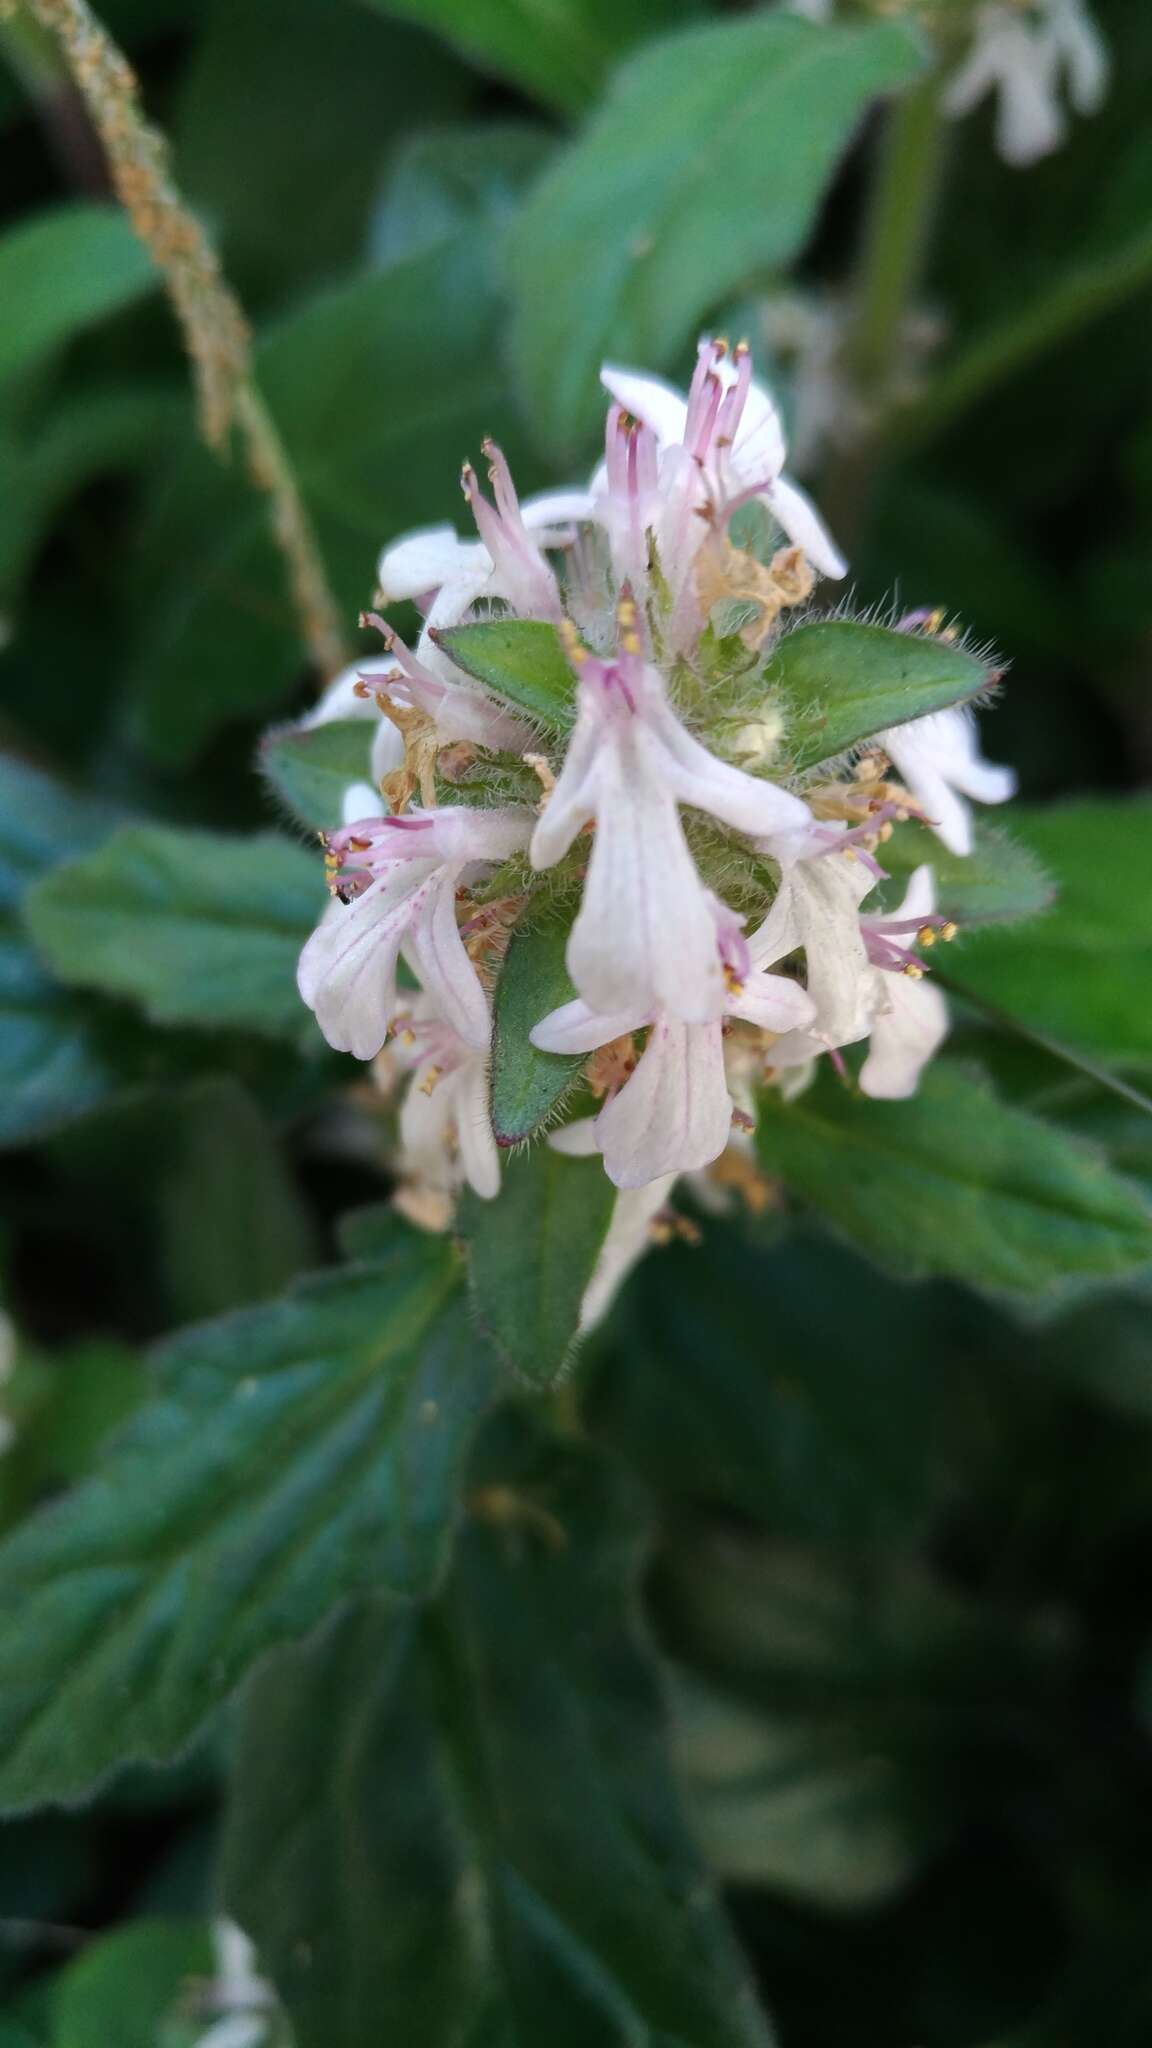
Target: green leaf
(52, 1063)
(999, 881)
(509, 1749)
(702, 171)
(97, 432)
(195, 927)
(1083, 972)
(529, 1085)
(310, 768)
(445, 182)
(956, 1184)
(124, 1986)
(234, 1227)
(295, 1453)
(531, 1253)
(777, 1803)
(61, 1405)
(819, 1422)
(60, 272)
(521, 662)
(42, 822)
(839, 681)
(412, 383)
(559, 53)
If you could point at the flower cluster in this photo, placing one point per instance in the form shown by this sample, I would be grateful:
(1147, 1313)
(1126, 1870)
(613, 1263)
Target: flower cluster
(1029, 53)
(720, 926)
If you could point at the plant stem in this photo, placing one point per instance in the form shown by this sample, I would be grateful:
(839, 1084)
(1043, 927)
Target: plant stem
(210, 315)
(895, 244)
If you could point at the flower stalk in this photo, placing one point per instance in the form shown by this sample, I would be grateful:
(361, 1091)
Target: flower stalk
(211, 319)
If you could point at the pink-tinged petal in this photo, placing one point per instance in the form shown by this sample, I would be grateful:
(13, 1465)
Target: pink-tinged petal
(780, 933)
(458, 706)
(479, 1157)
(1029, 121)
(645, 932)
(947, 813)
(762, 809)
(795, 1049)
(681, 501)
(573, 801)
(574, 1027)
(793, 509)
(461, 833)
(1086, 58)
(347, 971)
(344, 698)
(906, 1030)
(818, 907)
(428, 559)
(773, 1002)
(758, 451)
(577, 1140)
(650, 399)
(969, 83)
(939, 755)
(556, 509)
(441, 960)
(451, 604)
(629, 1237)
(424, 1126)
(919, 896)
(361, 800)
(674, 1114)
(387, 749)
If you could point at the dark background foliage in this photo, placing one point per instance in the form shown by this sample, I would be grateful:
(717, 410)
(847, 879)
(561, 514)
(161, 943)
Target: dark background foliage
(897, 1542)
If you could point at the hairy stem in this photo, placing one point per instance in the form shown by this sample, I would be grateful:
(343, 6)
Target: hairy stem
(212, 322)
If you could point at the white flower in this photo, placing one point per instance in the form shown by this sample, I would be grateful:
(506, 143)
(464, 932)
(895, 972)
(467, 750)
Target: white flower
(506, 562)
(347, 697)
(938, 756)
(863, 975)
(645, 935)
(722, 445)
(396, 882)
(434, 685)
(629, 1233)
(674, 1112)
(445, 1128)
(1025, 57)
(247, 1999)
(817, 911)
(910, 1020)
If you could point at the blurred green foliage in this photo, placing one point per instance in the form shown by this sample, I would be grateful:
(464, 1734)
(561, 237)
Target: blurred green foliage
(823, 1586)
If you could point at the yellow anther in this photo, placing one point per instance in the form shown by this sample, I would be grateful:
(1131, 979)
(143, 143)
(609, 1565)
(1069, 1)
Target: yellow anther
(914, 971)
(572, 644)
(947, 931)
(626, 621)
(926, 935)
(428, 1084)
(732, 982)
